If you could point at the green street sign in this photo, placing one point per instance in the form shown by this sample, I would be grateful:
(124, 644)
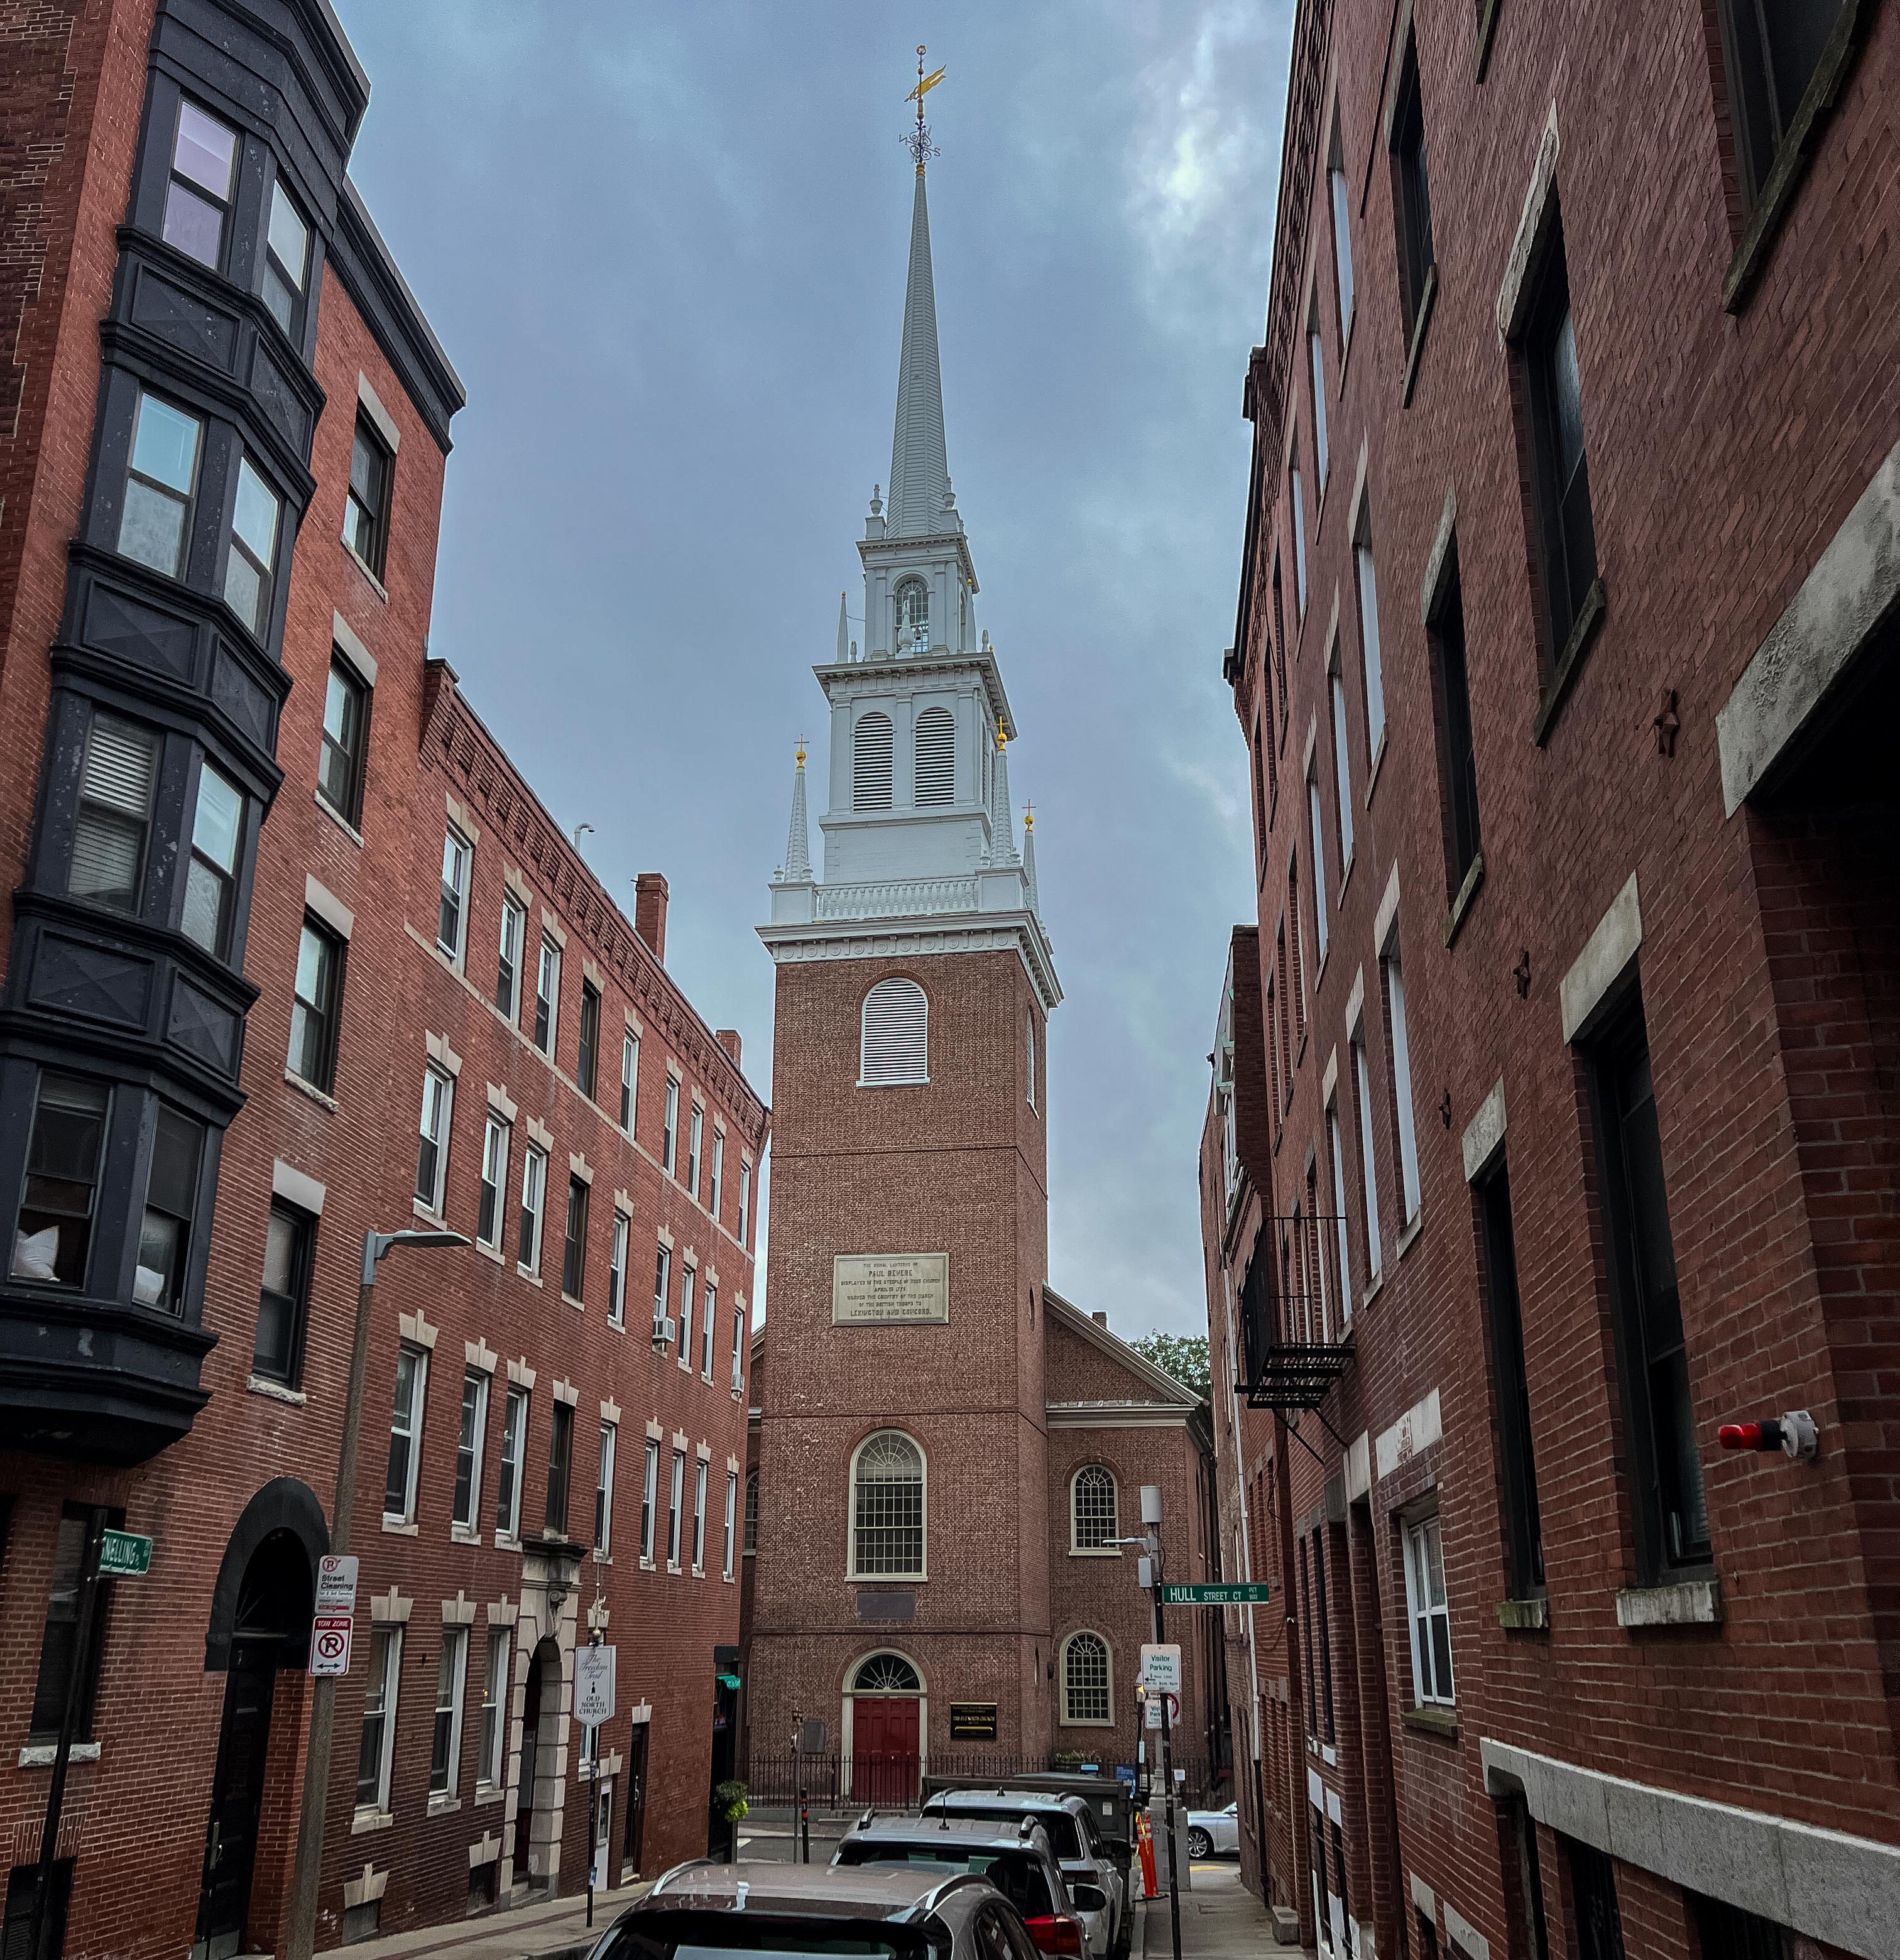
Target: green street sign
(124, 1555)
(1253, 1593)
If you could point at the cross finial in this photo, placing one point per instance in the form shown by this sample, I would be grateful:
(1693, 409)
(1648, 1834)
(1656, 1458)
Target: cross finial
(917, 141)
(801, 752)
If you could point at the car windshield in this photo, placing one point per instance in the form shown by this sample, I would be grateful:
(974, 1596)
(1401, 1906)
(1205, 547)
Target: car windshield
(713, 1936)
(1064, 1839)
(1019, 1877)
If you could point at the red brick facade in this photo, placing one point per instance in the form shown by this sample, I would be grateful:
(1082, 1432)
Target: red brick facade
(346, 1155)
(1684, 880)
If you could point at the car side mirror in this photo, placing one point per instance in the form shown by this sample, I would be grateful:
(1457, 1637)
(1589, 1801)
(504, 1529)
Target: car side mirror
(1089, 1899)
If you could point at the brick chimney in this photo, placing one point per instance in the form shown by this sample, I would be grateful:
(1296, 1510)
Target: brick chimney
(1100, 1319)
(650, 911)
(728, 1040)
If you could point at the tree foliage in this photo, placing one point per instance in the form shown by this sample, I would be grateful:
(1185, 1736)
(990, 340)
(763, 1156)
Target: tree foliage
(1183, 1356)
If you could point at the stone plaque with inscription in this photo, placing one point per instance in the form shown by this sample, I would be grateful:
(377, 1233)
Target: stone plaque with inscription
(889, 1289)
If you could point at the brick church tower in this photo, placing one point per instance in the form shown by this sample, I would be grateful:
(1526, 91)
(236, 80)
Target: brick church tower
(903, 1557)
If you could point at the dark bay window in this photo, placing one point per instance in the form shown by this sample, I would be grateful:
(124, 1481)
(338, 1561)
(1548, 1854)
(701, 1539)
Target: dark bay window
(1510, 1391)
(1771, 50)
(587, 1064)
(547, 991)
(367, 514)
(574, 1257)
(1566, 528)
(1411, 191)
(1672, 1520)
(154, 525)
(560, 1468)
(286, 258)
(340, 772)
(197, 199)
(283, 1303)
(211, 879)
(250, 570)
(313, 1009)
(112, 828)
(1457, 755)
(171, 1202)
(54, 1233)
(59, 1638)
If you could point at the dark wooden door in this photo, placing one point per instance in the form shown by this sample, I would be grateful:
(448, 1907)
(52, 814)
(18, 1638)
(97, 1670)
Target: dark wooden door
(238, 1791)
(634, 1802)
(883, 1749)
(525, 1776)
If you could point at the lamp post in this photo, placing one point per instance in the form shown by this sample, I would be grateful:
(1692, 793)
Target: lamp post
(1151, 1519)
(307, 1873)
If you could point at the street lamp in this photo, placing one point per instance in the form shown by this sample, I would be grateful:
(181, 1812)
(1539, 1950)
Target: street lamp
(308, 1873)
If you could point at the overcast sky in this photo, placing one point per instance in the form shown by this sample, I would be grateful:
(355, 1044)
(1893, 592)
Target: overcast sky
(664, 245)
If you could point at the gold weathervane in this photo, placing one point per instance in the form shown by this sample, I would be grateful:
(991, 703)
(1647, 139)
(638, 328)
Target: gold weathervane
(917, 140)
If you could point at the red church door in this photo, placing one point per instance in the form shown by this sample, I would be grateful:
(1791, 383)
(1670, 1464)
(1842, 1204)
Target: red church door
(883, 1751)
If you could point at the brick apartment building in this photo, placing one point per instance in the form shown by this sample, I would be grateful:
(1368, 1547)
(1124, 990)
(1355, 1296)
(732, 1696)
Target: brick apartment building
(947, 1453)
(1558, 1127)
(294, 953)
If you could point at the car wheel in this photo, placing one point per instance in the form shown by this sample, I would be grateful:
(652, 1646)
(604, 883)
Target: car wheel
(1200, 1845)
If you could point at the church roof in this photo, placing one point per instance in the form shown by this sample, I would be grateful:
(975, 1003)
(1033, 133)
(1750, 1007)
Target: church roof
(919, 467)
(1165, 1388)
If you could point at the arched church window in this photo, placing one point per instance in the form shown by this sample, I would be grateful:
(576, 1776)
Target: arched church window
(894, 1037)
(887, 1507)
(936, 757)
(870, 763)
(1085, 1680)
(1093, 1514)
(885, 1674)
(913, 616)
(752, 1512)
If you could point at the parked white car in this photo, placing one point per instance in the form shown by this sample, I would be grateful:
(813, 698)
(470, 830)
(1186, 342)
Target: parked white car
(1211, 1832)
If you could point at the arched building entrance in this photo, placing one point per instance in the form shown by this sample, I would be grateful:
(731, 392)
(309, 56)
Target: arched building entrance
(538, 1794)
(260, 1625)
(883, 1728)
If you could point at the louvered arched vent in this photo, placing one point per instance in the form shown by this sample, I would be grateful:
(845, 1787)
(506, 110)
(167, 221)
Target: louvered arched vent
(870, 761)
(895, 1035)
(936, 756)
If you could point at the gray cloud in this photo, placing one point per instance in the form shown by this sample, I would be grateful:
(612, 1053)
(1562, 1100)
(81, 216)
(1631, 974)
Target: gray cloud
(664, 246)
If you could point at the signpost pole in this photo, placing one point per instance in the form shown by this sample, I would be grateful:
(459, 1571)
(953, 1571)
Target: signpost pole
(88, 1614)
(1151, 1518)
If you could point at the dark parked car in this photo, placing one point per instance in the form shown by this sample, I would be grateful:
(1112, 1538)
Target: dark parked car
(877, 1912)
(1016, 1858)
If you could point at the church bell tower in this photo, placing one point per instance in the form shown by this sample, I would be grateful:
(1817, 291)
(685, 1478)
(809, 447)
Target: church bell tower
(901, 1580)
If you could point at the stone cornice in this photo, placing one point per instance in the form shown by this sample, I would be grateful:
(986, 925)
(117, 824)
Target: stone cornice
(883, 939)
(899, 673)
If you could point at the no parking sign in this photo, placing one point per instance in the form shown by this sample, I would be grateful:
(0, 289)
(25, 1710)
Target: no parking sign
(329, 1644)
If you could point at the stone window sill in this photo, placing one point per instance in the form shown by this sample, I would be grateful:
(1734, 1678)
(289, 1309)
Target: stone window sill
(400, 1527)
(337, 817)
(1462, 903)
(441, 1804)
(428, 1214)
(489, 1253)
(370, 1820)
(1442, 1722)
(1408, 1238)
(487, 1794)
(1378, 762)
(1095, 1551)
(1569, 663)
(568, 1299)
(310, 1089)
(1524, 1616)
(40, 1755)
(1374, 1286)
(527, 1273)
(464, 1535)
(276, 1391)
(1687, 1602)
(381, 589)
(1426, 301)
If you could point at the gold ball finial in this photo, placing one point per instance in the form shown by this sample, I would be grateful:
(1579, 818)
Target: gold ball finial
(1029, 816)
(801, 752)
(1002, 734)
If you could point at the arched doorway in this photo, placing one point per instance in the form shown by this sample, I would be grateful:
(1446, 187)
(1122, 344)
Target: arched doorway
(261, 1621)
(537, 1802)
(884, 1708)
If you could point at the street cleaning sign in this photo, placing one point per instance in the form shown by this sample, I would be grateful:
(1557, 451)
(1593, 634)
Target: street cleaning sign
(1251, 1593)
(124, 1555)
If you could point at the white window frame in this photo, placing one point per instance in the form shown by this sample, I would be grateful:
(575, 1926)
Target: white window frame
(438, 1086)
(1315, 827)
(453, 1662)
(745, 1202)
(534, 1174)
(630, 1079)
(1372, 662)
(650, 1502)
(717, 1195)
(662, 1288)
(617, 1269)
(688, 1288)
(458, 854)
(514, 925)
(670, 1129)
(695, 1135)
(1368, 1150)
(547, 986)
(496, 1682)
(708, 1309)
(699, 1474)
(1336, 1151)
(738, 1351)
(518, 1396)
(889, 988)
(923, 1488)
(1112, 1548)
(413, 1414)
(494, 1177)
(477, 1447)
(732, 1519)
(1342, 768)
(676, 1509)
(1068, 1720)
(603, 1491)
(1322, 451)
(1299, 541)
(1029, 1021)
(1410, 1190)
(1423, 1548)
(1342, 278)
(389, 1638)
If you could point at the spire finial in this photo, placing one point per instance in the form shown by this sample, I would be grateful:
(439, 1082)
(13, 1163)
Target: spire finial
(797, 868)
(917, 141)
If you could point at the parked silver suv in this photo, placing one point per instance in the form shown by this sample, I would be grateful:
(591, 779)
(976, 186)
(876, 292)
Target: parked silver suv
(1072, 1837)
(1016, 1858)
(702, 1910)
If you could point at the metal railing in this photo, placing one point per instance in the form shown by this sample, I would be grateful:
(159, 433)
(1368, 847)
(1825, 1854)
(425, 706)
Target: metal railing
(907, 897)
(889, 1780)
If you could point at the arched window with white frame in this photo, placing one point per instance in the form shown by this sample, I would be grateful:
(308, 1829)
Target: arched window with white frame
(1087, 1702)
(887, 1507)
(894, 1034)
(936, 777)
(1094, 1511)
(871, 751)
(912, 599)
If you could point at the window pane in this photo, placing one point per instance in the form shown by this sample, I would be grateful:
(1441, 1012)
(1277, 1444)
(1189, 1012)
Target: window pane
(171, 1192)
(219, 819)
(244, 589)
(204, 150)
(255, 518)
(1567, 397)
(289, 235)
(55, 1229)
(115, 793)
(193, 223)
(165, 448)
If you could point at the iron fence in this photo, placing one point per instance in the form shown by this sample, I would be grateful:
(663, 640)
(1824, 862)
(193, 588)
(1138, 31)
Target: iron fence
(890, 1780)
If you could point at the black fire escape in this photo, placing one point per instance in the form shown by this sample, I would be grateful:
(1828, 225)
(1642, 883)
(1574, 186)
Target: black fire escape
(1294, 1342)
